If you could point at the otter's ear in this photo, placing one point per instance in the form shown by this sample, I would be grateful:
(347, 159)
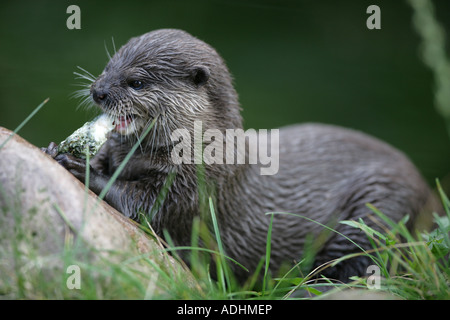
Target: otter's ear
(200, 75)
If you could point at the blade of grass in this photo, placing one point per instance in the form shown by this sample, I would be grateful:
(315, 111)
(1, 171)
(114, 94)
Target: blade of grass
(268, 251)
(336, 261)
(64, 217)
(370, 234)
(285, 276)
(322, 225)
(444, 198)
(125, 161)
(222, 267)
(162, 195)
(215, 252)
(86, 183)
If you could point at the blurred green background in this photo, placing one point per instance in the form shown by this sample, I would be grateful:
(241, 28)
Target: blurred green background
(292, 61)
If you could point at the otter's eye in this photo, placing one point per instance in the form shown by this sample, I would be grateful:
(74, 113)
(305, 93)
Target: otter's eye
(136, 84)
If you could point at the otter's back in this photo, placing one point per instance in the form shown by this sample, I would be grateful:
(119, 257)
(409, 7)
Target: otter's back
(336, 164)
(327, 174)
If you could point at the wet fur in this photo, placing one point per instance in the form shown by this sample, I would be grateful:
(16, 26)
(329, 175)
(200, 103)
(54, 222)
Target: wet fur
(326, 173)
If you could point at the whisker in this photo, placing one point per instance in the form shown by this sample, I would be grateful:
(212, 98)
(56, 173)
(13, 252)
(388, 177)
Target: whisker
(167, 142)
(107, 51)
(83, 77)
(152, 146)
(87, 73)
(136, 133)
(81, 93)
(114, 45)
(84, 97)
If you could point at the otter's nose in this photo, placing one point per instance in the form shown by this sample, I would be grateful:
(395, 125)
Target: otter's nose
(98, 95)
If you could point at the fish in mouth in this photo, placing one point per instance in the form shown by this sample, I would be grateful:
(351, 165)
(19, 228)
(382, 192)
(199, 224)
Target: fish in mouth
(123, 123)
(127, 124)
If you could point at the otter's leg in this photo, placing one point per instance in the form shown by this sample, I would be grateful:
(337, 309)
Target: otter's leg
(379, 189)
(339, 247)
(51, 150)
(77, 167)
(121, 193)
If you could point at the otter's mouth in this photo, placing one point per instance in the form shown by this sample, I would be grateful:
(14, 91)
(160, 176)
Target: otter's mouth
(125, 125)
(122, 122)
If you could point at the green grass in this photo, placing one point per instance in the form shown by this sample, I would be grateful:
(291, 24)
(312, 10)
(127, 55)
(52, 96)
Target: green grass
(412, 266)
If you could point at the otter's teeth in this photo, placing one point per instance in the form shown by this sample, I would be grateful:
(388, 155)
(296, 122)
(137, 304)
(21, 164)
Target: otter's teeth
(122, 123)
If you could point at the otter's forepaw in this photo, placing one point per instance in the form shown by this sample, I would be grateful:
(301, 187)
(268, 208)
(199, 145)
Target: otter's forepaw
(74, 165)
(51, 150)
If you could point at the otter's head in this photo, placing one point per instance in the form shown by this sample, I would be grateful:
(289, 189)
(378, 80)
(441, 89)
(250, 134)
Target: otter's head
(171, 75)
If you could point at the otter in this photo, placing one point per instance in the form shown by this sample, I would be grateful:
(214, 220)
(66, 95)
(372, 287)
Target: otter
(326, 173)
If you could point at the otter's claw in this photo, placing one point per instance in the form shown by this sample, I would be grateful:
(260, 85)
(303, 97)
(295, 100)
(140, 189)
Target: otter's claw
(74, 165)
(51, 150)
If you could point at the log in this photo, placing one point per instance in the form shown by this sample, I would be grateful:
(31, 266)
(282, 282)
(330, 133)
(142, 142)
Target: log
(45, 212)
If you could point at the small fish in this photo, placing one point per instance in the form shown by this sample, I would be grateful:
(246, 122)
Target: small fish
(91, 136)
